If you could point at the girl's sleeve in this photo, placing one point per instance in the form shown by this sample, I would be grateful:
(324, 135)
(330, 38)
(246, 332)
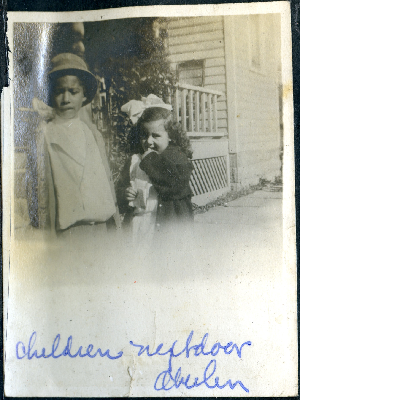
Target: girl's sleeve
(169, 172)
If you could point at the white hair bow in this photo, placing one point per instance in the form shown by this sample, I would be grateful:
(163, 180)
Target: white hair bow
(135, 108)
(46, 112)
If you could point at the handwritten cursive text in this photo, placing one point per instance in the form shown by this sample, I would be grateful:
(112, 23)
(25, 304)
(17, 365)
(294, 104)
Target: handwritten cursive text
(167, 380)
(22, 351)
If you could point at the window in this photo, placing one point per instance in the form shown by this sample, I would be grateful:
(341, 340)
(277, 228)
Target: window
(191, 72)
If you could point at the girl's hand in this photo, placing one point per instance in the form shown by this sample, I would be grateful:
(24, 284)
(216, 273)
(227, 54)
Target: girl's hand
(130, 193)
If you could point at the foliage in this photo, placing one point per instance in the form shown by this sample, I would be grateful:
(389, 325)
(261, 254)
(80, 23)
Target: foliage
(135, 66)
(121, 135)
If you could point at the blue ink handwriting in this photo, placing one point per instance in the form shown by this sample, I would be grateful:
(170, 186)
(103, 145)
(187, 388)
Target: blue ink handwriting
(30, 353)
(166, 381)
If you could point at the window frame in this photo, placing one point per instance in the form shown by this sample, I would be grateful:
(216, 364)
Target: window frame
(201, 64)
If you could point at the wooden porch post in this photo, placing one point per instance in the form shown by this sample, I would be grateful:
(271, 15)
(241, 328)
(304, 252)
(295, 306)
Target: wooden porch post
(231, 95)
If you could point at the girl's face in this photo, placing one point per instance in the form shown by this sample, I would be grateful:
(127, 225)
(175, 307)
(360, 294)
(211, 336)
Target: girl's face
(157, 137)
(68, 96)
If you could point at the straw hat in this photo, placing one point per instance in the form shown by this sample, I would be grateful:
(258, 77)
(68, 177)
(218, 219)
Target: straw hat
(70, 64)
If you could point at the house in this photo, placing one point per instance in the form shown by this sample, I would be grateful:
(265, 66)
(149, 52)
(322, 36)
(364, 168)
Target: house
(236, 61)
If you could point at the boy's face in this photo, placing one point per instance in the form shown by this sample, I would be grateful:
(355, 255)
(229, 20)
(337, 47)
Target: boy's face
(68, 96)
(157, 139)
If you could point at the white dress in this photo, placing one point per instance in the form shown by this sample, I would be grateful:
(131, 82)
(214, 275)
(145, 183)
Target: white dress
(144, 207)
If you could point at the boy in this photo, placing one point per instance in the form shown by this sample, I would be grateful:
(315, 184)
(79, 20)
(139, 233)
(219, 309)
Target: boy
(77, 193)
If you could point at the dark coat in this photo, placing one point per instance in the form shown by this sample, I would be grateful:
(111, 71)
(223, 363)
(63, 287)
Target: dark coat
(170, 173)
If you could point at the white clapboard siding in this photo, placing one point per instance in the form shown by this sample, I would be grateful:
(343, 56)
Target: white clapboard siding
(211, 63)
(189, 48)
(257, 101)
(197, 55)
(193, 29)
(182, 22)
(215, 71)
(195, 38)
(221, 87)
(215, 79)
(201, 38)
(215, 62)
(221, 105)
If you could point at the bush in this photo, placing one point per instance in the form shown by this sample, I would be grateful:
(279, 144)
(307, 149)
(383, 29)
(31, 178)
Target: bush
(131, 56)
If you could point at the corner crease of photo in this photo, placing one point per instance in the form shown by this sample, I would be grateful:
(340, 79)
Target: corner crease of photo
(149, 228)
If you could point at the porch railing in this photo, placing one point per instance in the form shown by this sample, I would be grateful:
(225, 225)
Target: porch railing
(196, 109)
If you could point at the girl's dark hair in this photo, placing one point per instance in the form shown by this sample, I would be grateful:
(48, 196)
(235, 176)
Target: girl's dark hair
(174, 129)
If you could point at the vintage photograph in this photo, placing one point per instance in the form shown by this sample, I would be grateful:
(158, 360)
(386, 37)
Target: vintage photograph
(149, 203)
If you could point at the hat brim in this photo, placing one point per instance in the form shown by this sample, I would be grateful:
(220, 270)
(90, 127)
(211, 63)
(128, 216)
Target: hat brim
(87, 79)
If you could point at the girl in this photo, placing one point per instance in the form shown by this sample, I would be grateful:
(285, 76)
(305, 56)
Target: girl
(166, 161)
(157, 183)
